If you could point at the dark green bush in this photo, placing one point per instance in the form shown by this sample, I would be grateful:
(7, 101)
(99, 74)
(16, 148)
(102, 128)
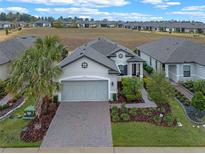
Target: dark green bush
(114, 109)
(125, 117)
(198, 101)
(124, 109)
(133, 111)
(187, 103)
(55, 98)
(157, 119)
(169, 119)
(115, 118)
(2, 89)
(114, 96)
(147, 68)
(131, 86)
(199, 86)
(5, 106)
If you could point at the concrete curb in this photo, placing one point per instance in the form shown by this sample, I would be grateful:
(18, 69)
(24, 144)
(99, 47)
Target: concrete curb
(106, 150)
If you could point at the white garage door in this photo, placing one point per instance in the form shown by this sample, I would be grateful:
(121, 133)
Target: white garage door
(85, 90)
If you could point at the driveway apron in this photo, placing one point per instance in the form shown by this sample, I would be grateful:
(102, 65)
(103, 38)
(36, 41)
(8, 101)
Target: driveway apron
(80, 124)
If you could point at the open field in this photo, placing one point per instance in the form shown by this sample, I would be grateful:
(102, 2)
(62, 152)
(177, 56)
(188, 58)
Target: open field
(73, 38)
(4, 37)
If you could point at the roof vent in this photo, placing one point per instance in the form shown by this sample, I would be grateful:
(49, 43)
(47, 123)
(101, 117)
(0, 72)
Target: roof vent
(167, 48)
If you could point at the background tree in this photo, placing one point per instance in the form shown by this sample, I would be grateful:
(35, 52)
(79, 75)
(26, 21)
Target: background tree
(35, 73)
(159, 88)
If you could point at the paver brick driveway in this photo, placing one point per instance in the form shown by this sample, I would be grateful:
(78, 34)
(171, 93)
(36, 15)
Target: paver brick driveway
(80, 124)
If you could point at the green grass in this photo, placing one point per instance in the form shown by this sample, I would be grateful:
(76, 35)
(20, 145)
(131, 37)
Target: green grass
(10, 130)
(144, 134)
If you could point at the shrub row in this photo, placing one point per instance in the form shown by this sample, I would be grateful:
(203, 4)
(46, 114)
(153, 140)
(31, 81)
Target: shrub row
(161, 116)
(182, 98)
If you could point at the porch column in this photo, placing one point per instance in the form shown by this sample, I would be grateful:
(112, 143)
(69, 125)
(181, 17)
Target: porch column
(141, 70)
(129, 69)
(177, 72)
(167, 71)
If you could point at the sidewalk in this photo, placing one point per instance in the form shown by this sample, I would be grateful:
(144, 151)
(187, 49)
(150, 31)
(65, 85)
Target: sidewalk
(107, 150)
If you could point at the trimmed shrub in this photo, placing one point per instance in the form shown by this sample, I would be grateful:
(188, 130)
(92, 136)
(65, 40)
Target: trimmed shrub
(133, 111)
(124, 109)
(114, 109)
(130, 87)
(169, 119)
(2, 89)
(115, 115)
(114, 96)
(198, 101)
(125, 117)
(147, 68)
(157, 119)
(5, 106)
(187, 103)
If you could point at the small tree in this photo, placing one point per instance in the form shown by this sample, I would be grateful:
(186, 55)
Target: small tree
(198, 101)
(199, 86)
(131, 87)
(159, 88)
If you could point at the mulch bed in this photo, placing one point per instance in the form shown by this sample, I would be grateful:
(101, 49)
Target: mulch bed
(148, 114)
(13, 106)
(123, 100)
(37, 128)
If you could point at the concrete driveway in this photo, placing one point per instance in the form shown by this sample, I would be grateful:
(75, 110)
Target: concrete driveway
(80, 124)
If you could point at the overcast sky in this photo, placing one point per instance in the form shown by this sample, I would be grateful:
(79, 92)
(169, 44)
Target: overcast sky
(132, 10)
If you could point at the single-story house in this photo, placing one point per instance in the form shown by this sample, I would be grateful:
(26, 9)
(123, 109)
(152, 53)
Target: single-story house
(42, 23)
(179, 58)
(5, 24)
(10, 49)
(92, 71)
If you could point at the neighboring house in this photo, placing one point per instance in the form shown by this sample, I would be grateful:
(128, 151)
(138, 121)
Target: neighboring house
(168, 26)
(42, 23)
(92, 71)
(179, 58)
(9, 50)
(5, 24)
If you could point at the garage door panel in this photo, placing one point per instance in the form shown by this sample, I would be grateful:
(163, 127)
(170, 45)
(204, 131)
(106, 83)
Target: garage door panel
(85, 91)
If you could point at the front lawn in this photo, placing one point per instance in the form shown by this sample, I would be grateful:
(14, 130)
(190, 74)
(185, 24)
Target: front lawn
(10, 130)
(144, 134)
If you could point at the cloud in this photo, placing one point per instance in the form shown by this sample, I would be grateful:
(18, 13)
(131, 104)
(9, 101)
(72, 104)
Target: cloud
(162, 4)
(79, 3)
(14, 9)
(199, 14)
(95, 13)
(194, 8)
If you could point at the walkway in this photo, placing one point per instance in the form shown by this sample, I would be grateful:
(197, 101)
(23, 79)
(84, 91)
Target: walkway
(80, 124)
(148, 103)
(183, 90)
(107, 150)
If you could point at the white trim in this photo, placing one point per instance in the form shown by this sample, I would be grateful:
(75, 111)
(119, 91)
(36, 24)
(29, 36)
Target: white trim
(86, 78)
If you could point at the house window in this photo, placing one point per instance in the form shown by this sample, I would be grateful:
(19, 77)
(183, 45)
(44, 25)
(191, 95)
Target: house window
(123, 69)
(134, 69)
(187, 70)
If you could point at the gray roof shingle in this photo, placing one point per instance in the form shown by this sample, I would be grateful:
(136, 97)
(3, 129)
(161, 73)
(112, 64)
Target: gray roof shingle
(174, 50)
(99, 50)
(10, 49)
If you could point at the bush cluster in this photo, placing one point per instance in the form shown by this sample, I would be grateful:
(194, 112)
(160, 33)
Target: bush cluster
(131, 88)
(182, 98)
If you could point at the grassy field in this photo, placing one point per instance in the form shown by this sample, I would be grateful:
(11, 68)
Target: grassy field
(136, 134)
(10, 130)
(73, 38)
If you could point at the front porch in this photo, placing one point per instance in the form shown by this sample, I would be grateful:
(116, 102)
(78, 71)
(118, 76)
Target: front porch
(132, 69)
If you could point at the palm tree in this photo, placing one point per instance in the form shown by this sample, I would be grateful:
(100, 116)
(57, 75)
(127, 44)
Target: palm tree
(35, 73)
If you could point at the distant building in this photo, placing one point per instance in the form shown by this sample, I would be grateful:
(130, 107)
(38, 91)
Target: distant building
(42, 23)
(5, 24)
